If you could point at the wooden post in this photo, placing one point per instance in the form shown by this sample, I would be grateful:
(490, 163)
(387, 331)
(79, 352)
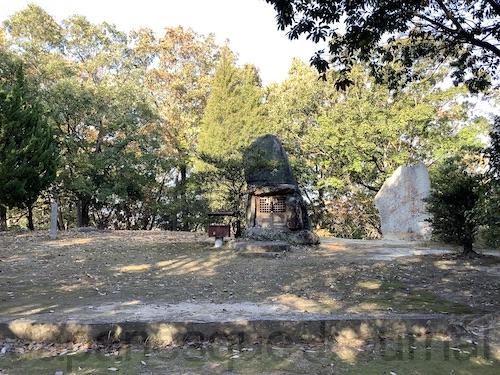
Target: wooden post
(53, 219)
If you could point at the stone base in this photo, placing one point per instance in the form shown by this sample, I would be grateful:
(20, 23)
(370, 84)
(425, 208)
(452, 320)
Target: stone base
(299, 237)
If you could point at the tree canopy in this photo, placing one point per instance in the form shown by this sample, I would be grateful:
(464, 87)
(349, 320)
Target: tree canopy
(150, 128)
(234, 113)
(28, 151)
(394, 36)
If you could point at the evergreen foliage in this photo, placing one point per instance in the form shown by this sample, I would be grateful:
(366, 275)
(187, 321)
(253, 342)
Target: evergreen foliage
(28, 152)
(234, 113)
(233, 118)
(454, 202)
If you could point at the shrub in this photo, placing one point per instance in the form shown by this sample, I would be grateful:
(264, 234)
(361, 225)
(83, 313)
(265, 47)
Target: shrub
(454, 202)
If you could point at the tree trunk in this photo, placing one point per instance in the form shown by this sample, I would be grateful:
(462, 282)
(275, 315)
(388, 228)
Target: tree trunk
(152, 222)
(60, 219)
(157, 200)
(82, 213)
(174, 222)
(468, 235)
(321, 209)
(184, 209)
(31, 226)
(468, 251)
(145, 221)
(127, 221)
(3, 218)
(237, 231)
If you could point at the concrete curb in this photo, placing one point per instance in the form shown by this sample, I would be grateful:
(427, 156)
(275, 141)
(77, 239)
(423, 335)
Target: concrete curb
(241, 331)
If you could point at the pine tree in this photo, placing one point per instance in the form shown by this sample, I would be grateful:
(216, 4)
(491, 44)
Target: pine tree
(233, 118)
(28, 152)
(234, 113)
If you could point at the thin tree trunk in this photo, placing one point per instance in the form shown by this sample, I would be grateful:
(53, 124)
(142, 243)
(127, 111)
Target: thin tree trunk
(79, 216)
(145, 222)
(3, 218)
(321, 210)
(174, 222)
(60, 219)
(31, 226)
(152, 222)
(158, 198)
(184, 209)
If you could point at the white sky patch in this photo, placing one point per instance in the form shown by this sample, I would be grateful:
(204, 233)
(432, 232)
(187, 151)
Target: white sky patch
(249, 25)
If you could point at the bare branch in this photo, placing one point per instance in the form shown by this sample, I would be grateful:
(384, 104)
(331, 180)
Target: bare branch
(464, 35)
(450, 16)
(495, 5)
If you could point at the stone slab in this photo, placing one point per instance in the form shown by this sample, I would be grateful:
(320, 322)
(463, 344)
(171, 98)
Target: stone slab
(401, 204)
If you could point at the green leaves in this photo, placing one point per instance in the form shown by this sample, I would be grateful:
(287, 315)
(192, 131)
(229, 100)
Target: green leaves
(34, 30)
(394, 37)
(234, 113)
(233, 118)
(457, 187)
(343, 145)
(28, 151)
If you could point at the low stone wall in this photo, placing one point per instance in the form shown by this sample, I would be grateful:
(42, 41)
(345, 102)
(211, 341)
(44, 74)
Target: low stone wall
(243, 331)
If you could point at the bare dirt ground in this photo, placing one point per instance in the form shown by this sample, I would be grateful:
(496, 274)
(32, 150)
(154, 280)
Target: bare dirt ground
(82, 273)
(127, 275)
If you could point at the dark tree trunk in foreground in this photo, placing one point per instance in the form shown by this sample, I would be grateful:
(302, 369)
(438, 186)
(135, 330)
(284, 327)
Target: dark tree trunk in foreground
(3, 218)
(31, 226)
(468, 251)
(82, 213)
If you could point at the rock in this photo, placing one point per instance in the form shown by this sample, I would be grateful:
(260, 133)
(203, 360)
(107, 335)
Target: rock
(300, 237)
(267, 163)
(5, 349)
(401, 205)
(275, 207)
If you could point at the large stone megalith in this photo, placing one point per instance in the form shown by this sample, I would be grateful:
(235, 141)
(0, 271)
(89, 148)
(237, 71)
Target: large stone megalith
(275, 208)
(401, 204)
